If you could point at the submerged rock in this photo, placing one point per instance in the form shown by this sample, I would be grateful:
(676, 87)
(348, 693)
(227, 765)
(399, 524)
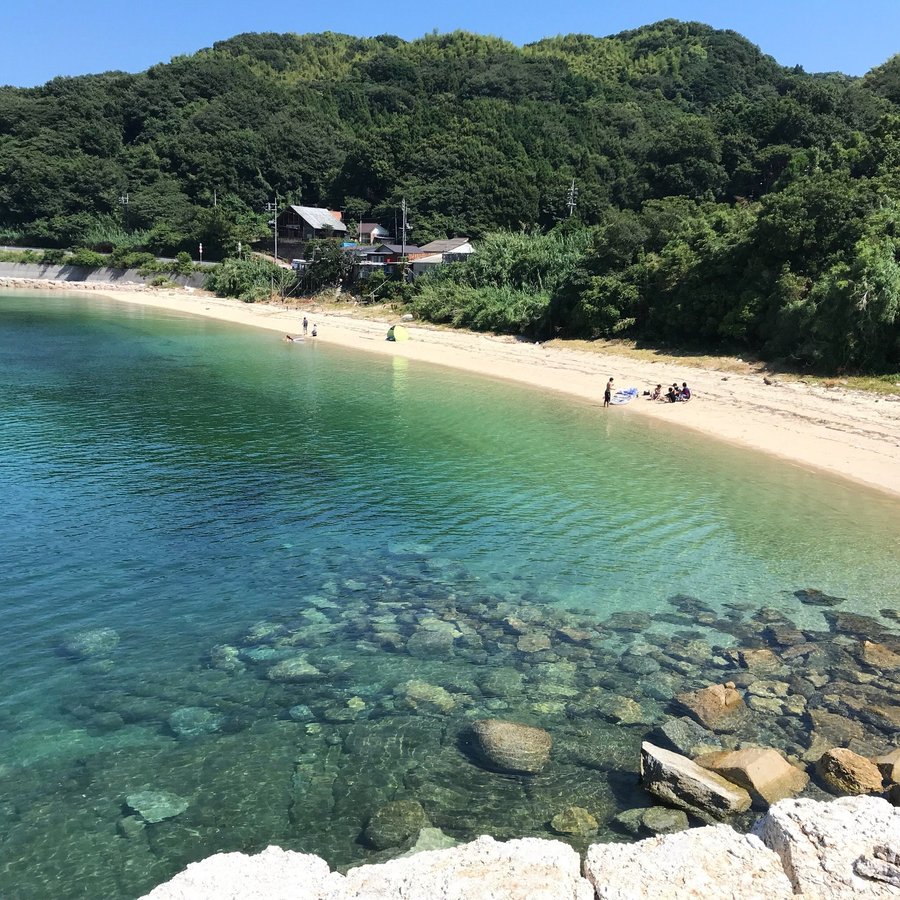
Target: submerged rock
(574, 820)
(662, 820)
(533, 642)
(192, 721)
(814, 597)
(422, 697)
(430, 839)
(685, 736)
(395, 823)
(501, 682)
(512, 747)
(845, 772)
(295, 670)
(90, 643)
(682, 783)
(226, 658)
(432, 642)
(718, 707)
(156, 806)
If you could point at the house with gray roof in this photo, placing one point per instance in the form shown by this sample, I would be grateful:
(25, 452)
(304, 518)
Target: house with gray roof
(456, 249)
(303, 223)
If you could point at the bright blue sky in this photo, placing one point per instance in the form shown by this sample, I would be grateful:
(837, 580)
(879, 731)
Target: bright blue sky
(44, 38)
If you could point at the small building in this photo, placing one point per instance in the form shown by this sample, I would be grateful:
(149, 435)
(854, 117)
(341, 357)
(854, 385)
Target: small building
(372, 233)
(425, 264)
(303, 223)
(394, 252)
(457, 249)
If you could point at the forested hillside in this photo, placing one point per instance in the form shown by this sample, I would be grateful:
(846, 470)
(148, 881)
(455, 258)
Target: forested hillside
(722, 198)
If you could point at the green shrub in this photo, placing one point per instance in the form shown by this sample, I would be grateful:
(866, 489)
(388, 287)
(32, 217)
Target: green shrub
(53, 257)
(184, 265)
(249, 280)
(123, 258)
(86, 259)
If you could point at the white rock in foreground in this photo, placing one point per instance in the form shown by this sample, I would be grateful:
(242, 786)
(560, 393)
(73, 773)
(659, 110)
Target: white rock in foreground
(821, 851)
(526, 869)
(712, 863)
(819, 844)
(274, 874)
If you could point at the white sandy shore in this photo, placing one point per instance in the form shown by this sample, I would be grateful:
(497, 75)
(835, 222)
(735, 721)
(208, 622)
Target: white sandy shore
(851, 434)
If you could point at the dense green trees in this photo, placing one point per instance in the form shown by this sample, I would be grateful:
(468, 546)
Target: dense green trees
(723, 199)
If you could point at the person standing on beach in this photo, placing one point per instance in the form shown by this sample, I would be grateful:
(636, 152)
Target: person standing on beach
(305, 324)
(607, 394)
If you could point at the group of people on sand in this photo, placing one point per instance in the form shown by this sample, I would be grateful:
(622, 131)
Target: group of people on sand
(315, 331)
(674, 394)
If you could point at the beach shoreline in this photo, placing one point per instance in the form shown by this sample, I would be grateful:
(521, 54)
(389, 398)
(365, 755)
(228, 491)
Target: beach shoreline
(849, 434)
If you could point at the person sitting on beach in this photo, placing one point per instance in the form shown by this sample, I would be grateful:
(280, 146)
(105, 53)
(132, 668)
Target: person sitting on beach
(671, 396)
(656, 392)
(685, 392)
(315, 331)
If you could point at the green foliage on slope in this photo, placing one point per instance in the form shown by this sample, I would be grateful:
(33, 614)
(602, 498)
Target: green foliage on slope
(723, 198)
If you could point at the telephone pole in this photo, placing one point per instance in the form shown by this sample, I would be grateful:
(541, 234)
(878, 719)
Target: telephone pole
(273, 208)
(572, 201)
(403, 210)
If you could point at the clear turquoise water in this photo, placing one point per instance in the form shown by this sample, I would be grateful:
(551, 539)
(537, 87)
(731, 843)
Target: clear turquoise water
(179, 480)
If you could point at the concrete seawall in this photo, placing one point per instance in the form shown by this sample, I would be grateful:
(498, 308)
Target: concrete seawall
(113, 277)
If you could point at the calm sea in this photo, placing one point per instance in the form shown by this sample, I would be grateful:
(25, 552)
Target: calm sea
(171, 484)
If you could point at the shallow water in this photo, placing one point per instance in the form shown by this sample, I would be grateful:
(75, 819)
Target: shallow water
(180, 481)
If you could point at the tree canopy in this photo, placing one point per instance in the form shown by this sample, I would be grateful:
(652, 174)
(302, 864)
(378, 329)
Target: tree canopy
(724, 198)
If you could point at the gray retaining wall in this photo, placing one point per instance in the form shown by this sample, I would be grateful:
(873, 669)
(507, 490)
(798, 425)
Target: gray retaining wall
(95, 276)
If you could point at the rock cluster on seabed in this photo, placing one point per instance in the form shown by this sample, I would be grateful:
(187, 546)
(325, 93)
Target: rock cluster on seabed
(414, 705)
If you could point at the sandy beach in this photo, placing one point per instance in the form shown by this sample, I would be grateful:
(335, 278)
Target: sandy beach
(851, 434)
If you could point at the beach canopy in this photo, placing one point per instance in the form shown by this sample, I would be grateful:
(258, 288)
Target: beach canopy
(397, 333)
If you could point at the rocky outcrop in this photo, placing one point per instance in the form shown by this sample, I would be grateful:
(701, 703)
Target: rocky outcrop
(764, 773)
(678, 781)
(274, 874)
(718, 707)
(711, 862)
(845, 772)
(820, 843)
(847, 848)
(889, 766)
(529, 868)
(512, 747)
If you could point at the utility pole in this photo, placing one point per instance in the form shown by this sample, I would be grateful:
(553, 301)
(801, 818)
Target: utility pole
(123, 199)
(273, 208)
(403, 209)
(572, 201)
